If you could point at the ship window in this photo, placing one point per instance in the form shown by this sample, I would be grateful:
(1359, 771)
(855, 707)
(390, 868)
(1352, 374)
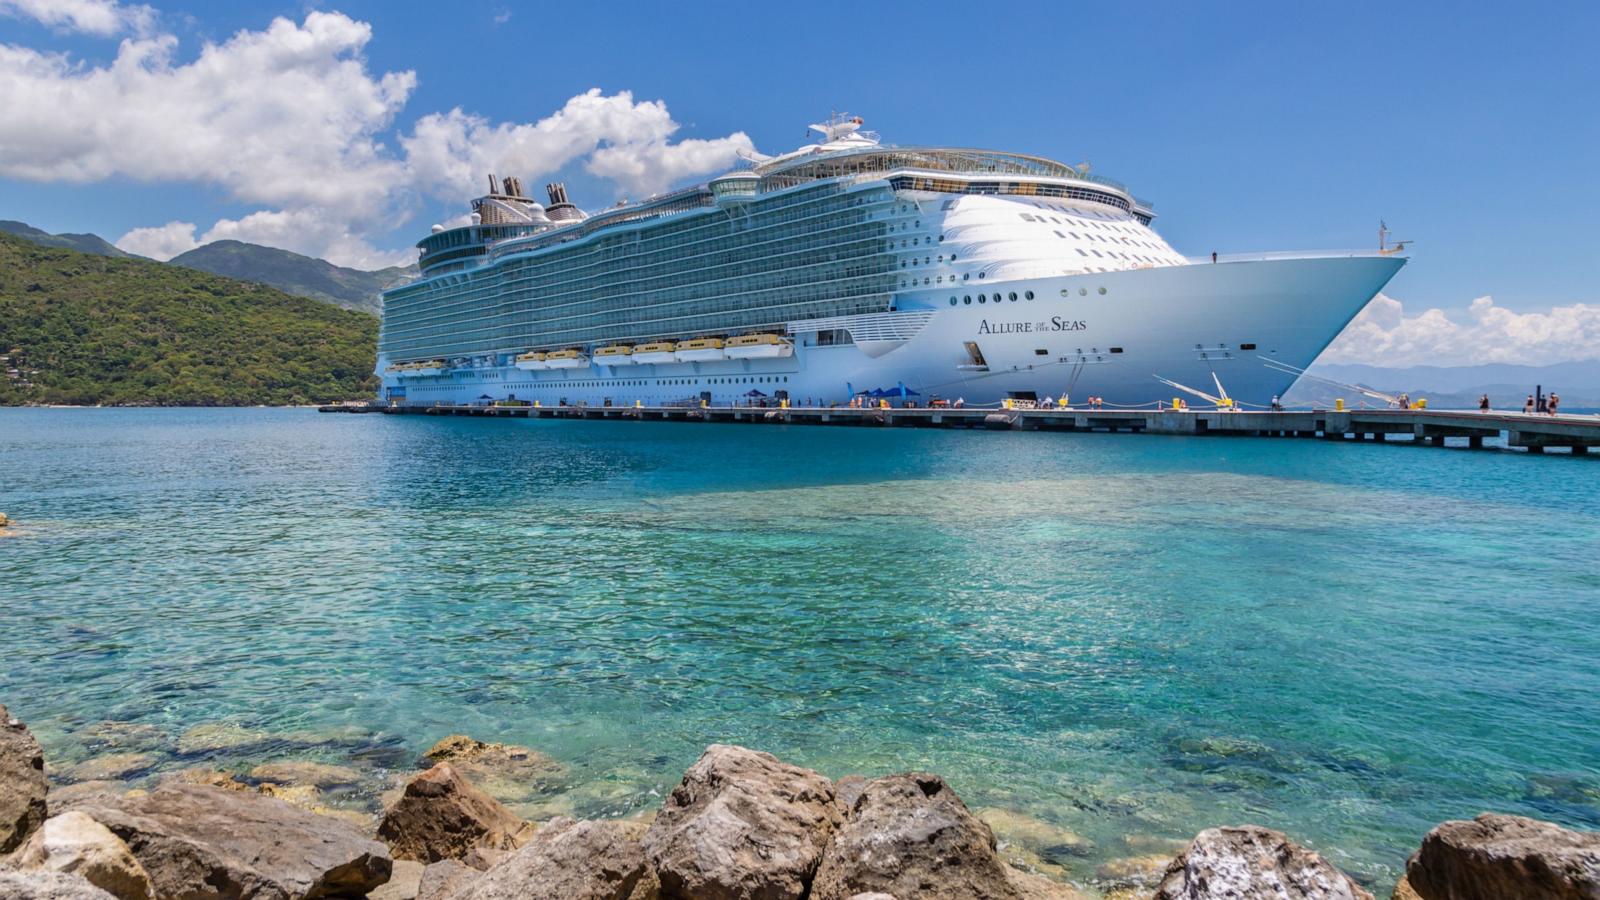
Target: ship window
(952, 301)
(1029, 295)
(1247, 346)
(1080, 251)
(965, 276)
(1116, 349)
(1102, 290)
(967, 299)
(1060, 235)
(1040, 351)
(1083, 292)
(1013, 296)
(980, 274)
(1066, 292)
(983, 298)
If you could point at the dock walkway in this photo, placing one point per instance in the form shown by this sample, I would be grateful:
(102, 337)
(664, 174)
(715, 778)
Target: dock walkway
(1533, 433)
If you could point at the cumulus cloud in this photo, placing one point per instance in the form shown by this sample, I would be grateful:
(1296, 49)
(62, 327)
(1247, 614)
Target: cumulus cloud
(1384, 335)
(98, 17)
(161, 242)
(290, 120)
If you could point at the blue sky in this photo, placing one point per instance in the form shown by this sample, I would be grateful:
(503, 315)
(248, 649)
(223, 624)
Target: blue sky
(1473, 130)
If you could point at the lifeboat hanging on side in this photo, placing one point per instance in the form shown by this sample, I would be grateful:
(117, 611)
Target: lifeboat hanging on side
(759, 346)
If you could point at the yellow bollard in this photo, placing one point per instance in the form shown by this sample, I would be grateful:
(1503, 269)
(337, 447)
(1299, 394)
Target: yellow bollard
(1174, 403)
(1008, 403)
(784, 403)
(1339, 404)
(535, 403)
(703, 404)
(1422, 403)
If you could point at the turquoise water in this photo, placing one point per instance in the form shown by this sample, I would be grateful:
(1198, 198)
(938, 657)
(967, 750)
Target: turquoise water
(1131, 637)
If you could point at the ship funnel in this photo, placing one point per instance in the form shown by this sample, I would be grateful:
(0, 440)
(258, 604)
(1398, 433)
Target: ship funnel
(557, 192)
(494, 186)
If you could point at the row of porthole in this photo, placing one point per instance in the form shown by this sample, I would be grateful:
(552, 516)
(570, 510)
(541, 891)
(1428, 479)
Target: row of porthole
(984, 298)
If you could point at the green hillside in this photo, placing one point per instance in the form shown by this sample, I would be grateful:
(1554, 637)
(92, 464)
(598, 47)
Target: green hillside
(76, 328)
(84, 243)
(303, 276)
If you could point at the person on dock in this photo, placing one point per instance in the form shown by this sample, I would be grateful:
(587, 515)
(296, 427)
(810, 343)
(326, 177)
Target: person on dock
(961, 402)
(1213, 256)
(1527, 408)
(1555, 400)
(1483, 403)
(1277, 403)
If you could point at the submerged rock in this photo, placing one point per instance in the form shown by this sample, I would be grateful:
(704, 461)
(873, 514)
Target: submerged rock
(75, 843)
(197, 841)
(304, 772)
(1496, 856)
(1253, 863)
(209, 777)
(742, 824)
(112, 767)
(124, 736)
(911, 836)
(566, 859)
(214, 737)
(441, 815)
(506, 772)
(43, 884)
(22, 783)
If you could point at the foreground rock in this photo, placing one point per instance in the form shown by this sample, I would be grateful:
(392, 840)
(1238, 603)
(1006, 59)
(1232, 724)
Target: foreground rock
(445, 877)
(1253, 863)
(22, 783)
(566, 859)
(47, 885)
(1495, 856)
(76, 844)
(911, 836)
(742, 824)
(198, 841)
(442, 816)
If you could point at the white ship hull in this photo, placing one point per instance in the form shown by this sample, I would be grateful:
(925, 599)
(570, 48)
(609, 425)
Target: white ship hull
(655, 357)
(530, 365)
(761, 351)
(706, 355)
(1186, 323)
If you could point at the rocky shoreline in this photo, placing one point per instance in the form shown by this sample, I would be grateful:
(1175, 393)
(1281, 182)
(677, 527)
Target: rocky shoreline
(740, 824)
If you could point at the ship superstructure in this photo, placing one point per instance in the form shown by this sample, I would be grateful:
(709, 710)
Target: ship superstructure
(850, 266)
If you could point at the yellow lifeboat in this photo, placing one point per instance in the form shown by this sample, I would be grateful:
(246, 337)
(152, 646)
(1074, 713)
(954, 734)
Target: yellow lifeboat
(565, 359)
(658, 352)
(700, 349)
(614, 355)
(759, 346)
(531, 361)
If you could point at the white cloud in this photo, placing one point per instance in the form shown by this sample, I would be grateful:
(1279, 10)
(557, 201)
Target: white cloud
(98, 17)
(161, 242)
(1384, 335)
(289, 120)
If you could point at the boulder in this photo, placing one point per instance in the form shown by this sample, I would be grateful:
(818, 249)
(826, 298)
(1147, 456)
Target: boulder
(199, 842)
(847, 790)
(742, 824)
(43, 884)
(442, 816)
(75, 843)
(1037, 887)
(1253, 863)
(1506, 856)
(404, 883)
(566, 859)
(22, 783)
(506, 772)
(911, 836)
(445, 877)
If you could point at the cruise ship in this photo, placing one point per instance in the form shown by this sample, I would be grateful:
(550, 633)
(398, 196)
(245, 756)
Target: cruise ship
(852, 268)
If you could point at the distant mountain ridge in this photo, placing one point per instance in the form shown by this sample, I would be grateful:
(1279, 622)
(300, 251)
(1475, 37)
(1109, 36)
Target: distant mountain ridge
(1507, 385)
(293, 273)
(90, 329)
(83, 243)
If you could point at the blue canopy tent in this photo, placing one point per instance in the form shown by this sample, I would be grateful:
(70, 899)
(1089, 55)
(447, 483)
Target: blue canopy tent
(754, 393)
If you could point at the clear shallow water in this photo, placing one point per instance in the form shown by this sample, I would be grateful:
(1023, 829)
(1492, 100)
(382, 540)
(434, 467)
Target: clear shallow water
(1124, 636)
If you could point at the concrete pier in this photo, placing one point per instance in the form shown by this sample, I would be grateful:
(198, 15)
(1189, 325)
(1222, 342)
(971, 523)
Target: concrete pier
(1425, 427)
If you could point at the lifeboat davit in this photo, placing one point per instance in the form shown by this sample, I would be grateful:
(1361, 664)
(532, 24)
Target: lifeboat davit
(700, 349)
(759, 346)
